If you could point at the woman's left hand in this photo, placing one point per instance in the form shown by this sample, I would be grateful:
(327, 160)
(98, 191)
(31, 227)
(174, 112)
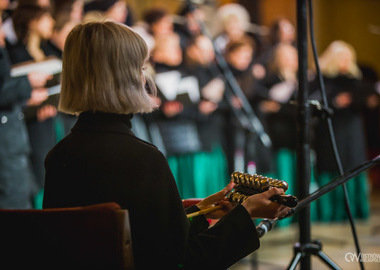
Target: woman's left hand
(216, 199)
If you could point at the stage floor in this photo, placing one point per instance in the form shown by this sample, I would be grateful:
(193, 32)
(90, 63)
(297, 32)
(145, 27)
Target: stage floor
(276, 250)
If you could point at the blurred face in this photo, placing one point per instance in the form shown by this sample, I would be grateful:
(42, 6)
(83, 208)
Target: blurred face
(287, 32)
(43, 3)
(202, 52)
(43, 26)
(59, 38)
(192, 20)
(241, 57)
(345, 60)
(287, 59)
(4, 4)
(206, 50)
(173, 53)
(118, 12)
(168, 52)
(234, 28)
(163, 26)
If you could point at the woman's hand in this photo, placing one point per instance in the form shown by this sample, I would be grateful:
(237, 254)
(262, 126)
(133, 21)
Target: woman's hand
(207, 107)
(343, 100)
(270, 106)
(218, 198)
(46, 112)
(38, 79)
(172, 108)
(260, 205)
(38, 96)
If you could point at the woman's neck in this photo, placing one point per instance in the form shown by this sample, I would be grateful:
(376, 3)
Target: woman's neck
(33, 47)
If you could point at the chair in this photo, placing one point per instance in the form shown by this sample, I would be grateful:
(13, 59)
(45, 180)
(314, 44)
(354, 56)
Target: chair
(91, 237)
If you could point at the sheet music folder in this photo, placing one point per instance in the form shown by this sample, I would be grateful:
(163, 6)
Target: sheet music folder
(50, 66)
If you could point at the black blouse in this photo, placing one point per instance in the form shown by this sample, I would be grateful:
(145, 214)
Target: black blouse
(102, 161)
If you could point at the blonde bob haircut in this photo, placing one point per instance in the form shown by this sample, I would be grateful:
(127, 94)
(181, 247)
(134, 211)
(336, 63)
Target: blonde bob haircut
(103, 70)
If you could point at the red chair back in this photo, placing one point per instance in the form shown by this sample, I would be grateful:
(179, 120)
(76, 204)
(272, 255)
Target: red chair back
(92, 237)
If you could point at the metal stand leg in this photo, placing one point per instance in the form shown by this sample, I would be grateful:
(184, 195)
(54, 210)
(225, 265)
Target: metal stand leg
(313, 248)
(296, 258)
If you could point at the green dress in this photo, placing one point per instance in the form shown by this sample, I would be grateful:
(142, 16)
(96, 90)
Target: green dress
(200, 174)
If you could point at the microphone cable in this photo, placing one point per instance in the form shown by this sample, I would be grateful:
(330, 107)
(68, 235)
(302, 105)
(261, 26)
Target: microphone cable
(331, 132)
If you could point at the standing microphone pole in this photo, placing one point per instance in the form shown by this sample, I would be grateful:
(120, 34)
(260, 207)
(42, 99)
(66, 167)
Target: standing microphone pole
(305, 247)
(303, 132)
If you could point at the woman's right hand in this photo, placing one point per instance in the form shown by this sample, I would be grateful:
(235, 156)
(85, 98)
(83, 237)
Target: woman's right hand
(220, 199)
(46, 112)
(172, 108)
(38, 79)
(260, 205)
(38, 96)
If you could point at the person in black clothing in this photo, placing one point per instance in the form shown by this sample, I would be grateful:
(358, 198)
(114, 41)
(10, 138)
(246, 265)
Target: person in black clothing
(187, 24)
(280, 114)
(281, 84)
(16, 178)
(179, 118)
(102, 161)
(33, 26)
(347, 95)
(199, 61)
(282, 31)
(62, 27)
(240, 58)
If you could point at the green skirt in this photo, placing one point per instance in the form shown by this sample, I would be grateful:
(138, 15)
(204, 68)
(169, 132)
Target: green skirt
(201, 174)
(286, 169)
(331, 206)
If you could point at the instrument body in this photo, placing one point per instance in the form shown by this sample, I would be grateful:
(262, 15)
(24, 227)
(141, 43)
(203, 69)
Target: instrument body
(247, 185)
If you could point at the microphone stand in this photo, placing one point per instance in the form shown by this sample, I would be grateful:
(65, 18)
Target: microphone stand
(315, 247)
(303, 139)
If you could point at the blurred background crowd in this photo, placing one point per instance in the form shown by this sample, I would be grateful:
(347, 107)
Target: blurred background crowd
(198, 124)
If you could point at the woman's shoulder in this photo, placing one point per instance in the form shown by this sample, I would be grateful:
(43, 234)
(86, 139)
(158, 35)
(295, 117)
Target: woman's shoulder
(145, 146)
(125, 146)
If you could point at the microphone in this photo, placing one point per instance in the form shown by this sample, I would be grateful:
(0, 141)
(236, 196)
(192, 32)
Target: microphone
(265, 226)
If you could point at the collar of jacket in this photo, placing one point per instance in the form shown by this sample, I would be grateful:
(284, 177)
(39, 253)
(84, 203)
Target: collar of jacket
(104, 122)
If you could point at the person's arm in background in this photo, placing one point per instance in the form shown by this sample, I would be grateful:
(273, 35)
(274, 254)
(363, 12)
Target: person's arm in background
(17, 89)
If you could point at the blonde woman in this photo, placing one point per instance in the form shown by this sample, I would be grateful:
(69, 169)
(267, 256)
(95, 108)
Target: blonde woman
(346, 94)
(339, 59)
(101, 160)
